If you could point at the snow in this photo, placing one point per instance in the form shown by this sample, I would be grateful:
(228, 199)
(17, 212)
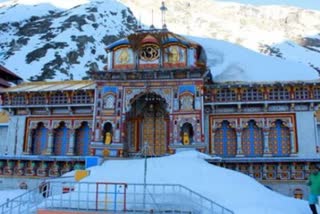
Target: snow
(16, 13)
(234, 190)
(231, 62)
(10, 194)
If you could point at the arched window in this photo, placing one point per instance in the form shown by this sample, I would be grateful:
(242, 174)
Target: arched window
(252, 144)
(225, 140)
(279, 139)
(39, 139)
(61, 139)
(83, 137)
(109, 101)
(186, 101)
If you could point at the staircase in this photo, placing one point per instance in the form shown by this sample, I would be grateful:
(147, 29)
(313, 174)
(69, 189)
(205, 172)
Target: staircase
(101, 197)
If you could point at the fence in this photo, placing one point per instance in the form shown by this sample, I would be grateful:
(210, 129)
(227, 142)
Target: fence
(113, 197)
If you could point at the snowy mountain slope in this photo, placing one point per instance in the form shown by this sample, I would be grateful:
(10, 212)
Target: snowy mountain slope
(230, 62)
(64, 42)
(260, 28)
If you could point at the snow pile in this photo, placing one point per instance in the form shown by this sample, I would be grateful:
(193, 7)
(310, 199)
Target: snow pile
(234, 190)
(10, 194)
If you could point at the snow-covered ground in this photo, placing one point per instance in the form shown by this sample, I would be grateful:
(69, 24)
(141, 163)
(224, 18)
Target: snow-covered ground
(234, 190)
(10, 194)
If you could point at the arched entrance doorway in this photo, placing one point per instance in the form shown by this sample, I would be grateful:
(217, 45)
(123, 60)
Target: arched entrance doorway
(147, 123)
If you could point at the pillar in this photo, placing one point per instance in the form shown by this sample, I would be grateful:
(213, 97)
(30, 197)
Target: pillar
(212, 142)
(50, 143)
(266, 150)
(292, 142)
(29, 142)
(239, 142)
(71, 142)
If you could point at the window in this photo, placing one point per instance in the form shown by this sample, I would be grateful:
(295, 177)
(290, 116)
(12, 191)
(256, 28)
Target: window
(58, 98)
(279, 94)
(225, 140)
(301, 93)
(109, 102)
(18, 99)
(279, 139)
(5, 99)
(37, 99)
(81, 97)
(225, 94)
(251, 94)
(252, 140)
(316, 93)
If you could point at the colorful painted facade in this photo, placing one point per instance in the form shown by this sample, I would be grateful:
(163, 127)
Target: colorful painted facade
(157, 92)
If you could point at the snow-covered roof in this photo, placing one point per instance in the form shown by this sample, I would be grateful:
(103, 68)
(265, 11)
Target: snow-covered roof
(52, 86)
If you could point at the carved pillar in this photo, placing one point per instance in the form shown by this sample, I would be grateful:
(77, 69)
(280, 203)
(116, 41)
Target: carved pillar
(266, 150)
(71, 142)
(29, 142)
(239, 142)
(97, 136)
(50, 143)
(292, 142)
(213, 133)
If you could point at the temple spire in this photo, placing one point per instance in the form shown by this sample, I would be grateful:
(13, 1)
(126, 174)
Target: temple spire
(163, 9)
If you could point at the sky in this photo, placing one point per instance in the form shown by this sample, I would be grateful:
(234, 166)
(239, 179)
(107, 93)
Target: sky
(307, 4)
(189, 168)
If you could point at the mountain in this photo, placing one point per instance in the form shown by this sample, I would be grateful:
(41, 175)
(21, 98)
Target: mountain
(61, 43)
(52, 40)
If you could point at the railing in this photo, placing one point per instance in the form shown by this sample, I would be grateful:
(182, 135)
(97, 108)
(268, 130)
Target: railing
(113, 197)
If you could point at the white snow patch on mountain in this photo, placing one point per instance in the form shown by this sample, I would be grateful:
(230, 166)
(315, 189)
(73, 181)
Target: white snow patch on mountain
(230, 62)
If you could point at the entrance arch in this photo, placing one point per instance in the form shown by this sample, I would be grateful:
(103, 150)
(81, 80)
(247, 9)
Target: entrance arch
(147, 122)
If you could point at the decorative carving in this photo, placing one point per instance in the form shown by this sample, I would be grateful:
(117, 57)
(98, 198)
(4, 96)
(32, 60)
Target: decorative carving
(149, 52)
(186, 102)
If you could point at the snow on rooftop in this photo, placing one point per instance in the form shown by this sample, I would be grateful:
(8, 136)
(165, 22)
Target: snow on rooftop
(231, 62)
(234, 190)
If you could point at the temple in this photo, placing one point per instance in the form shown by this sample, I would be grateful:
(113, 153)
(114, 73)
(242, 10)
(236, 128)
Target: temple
(156, 94)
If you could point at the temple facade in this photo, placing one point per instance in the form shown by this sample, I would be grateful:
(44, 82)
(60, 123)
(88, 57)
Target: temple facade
(156, 95)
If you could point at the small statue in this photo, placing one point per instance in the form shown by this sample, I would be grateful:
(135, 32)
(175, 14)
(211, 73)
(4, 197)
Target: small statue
(108, 138)
(185, 138)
